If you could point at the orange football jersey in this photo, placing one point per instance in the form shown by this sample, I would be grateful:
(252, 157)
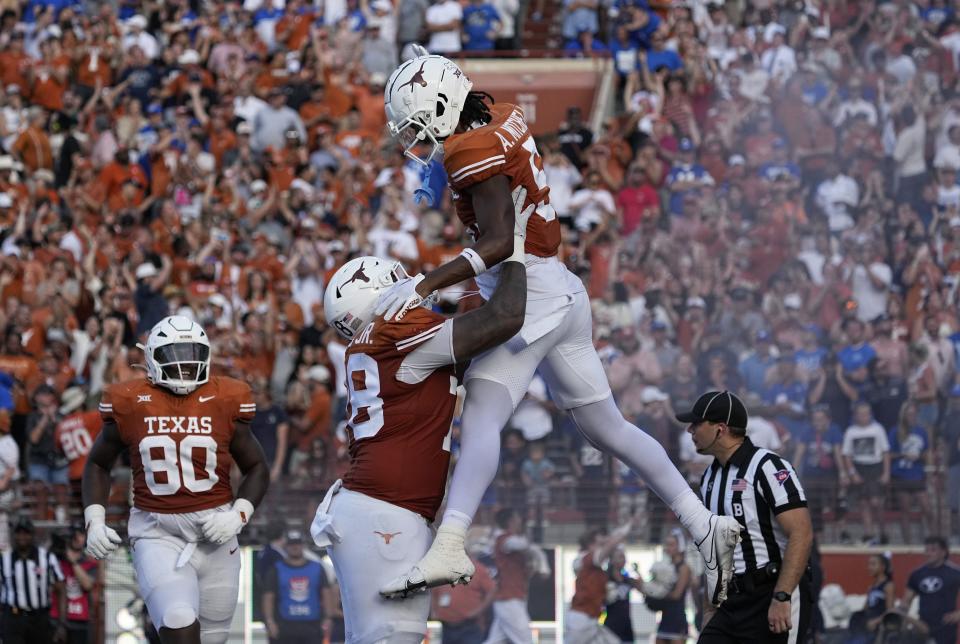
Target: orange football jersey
(399, 433)
(512, 576)
(179, 445)
(75, 435)
(503, 146)
(590, 587)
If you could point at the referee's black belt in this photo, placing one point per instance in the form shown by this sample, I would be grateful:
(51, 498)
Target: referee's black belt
(16, 610)
(751, 580)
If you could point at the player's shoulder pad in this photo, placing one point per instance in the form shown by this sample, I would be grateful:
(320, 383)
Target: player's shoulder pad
(236, 397)
(120, 396)
(226, 386)
(416, 327)
(473, 156)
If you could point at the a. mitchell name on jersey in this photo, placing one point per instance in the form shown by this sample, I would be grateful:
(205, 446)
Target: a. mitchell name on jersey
(514, 127)
(179, 424)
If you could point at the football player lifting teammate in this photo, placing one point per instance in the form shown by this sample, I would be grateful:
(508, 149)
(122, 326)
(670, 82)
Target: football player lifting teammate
(402, 378)
(488, 152)
(183, 429)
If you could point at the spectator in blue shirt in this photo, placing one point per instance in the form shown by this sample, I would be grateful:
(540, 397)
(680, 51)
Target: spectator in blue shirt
(481, 22)
(885, 393)
(36, 8)
(780, 166)
(686, 177)
(658, 56)
(937, 583)
(641, 24)
(587, 42)
(909, 450)
(579, 16)
(6, 391)
(857, 354)
(817, 457)
(141, 77)
(297, 598)
(623, 50)
(753, 368)
(786, 396)
(810, 356)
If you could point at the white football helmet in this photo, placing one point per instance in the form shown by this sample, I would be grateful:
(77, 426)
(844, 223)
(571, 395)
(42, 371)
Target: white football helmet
(424, 98)
(177, 354)
(354, 290)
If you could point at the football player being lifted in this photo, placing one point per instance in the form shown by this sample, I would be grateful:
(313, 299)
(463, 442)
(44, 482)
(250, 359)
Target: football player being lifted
(488, 152)
(183, 429)
(402, 378)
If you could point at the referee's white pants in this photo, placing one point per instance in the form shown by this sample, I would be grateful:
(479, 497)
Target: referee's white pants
(511, 623)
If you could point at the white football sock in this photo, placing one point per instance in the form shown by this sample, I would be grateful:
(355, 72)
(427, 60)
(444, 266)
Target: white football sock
(603, 425)
(486, 410)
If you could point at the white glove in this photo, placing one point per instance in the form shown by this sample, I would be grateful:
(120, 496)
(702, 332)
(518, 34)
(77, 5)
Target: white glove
(401, 297)
(220, 527)
(101, 538)
(521, 214)
(521, 218)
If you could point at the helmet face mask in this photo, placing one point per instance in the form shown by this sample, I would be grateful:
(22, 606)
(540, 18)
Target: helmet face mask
(412, 132)
(177, 354)
(183, 361)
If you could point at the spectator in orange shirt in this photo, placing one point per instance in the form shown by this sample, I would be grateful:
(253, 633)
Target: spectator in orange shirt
(317, 422)
(15, 361)
(14, 62)
(582, 625)
(75, 434)
(293, 29)
(50, 78)
(32, 147)
(115, 173)
(514, 555)
(461, 609)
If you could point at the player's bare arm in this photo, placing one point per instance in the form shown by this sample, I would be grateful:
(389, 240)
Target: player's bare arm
(498, 320)
(249, 457)
(96, 474)
(95, 488)
(494, 209)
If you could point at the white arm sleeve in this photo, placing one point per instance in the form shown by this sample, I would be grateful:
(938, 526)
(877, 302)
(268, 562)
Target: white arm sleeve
(434, 353)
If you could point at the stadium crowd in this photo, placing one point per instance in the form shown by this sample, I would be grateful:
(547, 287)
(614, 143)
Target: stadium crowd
(773, 208)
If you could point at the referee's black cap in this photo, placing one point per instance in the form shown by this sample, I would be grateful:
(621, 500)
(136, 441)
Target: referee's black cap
(23, 524)
(717, 407)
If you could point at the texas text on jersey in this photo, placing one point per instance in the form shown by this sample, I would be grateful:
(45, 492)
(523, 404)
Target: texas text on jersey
(394, 423)
(179, 445)
(503, 146)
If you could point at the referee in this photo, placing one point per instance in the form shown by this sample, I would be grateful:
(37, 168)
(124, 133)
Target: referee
(28, 574)
(769, 597)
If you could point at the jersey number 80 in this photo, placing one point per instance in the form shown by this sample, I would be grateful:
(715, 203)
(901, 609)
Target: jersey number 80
(167, 468)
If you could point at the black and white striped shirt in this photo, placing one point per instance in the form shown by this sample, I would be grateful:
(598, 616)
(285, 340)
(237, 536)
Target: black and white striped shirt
(754, 486)
(26, 582)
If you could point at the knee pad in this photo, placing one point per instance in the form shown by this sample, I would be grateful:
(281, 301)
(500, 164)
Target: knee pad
(179, 616)
(216, 635)
(399, 638)
(217, 605)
